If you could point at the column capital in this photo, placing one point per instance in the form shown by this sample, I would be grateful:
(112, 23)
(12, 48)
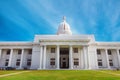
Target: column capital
(118, 49)
(71, 45)
(22, 48)
(41, 45)
(44, 45)
(106, 48)
(11, 48)
(57, 45)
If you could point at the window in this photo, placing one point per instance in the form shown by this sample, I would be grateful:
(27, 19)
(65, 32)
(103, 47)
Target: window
(30, 51)
(75, 50)
(28, 62)
(52, 50)
(76, 61)
(19, 52)
(6, 62)
(111, 62)
(52, 61)
(8, 52)
(99, 62)
(18, 62)
(109, 52)
(98, 52)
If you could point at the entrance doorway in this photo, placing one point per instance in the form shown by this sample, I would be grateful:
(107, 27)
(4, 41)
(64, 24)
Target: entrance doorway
(64, 58)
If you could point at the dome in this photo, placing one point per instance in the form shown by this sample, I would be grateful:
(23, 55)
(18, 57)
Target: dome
(64, 28)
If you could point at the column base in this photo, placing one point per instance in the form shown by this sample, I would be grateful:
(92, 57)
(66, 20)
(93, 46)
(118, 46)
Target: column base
(70, 68)
(109, 68)
(57, 68)
(39, 69)
(19, 68)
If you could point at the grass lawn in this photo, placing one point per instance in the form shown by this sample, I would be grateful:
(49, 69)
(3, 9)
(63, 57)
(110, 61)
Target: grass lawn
(6, 72)
(63, 75)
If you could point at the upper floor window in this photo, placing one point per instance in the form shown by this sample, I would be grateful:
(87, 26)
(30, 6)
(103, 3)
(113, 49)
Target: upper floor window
(19, 52)
(109, 52)
(98, 52)
(30, 51)
(75, 50)
(8, 52)
(52, 50)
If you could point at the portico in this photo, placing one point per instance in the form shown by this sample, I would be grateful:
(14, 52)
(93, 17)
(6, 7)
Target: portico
(63, 57)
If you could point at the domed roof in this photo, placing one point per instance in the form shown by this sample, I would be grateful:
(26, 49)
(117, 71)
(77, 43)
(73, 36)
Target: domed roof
(64, 28)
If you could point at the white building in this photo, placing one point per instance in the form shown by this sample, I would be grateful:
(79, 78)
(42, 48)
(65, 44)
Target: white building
(61, 51)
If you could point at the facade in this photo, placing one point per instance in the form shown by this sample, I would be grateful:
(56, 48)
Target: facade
(61, 51)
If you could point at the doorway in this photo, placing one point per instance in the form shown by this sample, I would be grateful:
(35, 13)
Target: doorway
(64, 58)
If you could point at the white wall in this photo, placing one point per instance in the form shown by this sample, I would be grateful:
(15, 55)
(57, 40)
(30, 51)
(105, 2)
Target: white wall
(35, 57)
(92, 57)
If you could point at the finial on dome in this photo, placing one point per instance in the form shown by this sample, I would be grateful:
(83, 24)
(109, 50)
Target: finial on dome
(64, 18)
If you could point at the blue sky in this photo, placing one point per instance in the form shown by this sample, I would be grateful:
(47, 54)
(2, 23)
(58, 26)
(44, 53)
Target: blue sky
(20, 20)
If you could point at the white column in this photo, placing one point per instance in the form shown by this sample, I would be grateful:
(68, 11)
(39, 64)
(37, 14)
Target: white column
(82, 59)
(0, 53)
(70, 57)
(96, 60)
(21, 59)
(58, 56)
(10, 58)
(41, 52)
(44, 61)
(85, 57)
(107, 58)
(118, 55)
